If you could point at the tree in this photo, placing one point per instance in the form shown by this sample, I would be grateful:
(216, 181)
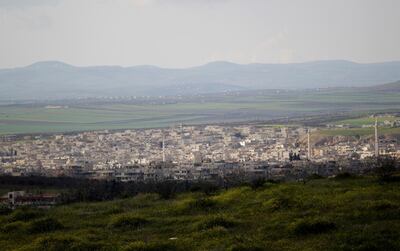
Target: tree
(385, 167)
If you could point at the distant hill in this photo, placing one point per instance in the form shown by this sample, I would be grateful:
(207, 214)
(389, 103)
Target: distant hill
(55, 80)
(390, 87)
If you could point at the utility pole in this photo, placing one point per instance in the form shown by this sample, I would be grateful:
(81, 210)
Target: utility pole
(376, 138)
(163, 147)
(309, 144)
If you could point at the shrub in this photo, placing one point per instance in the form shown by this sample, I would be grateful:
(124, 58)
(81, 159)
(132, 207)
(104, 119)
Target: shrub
(217, 221)
(205, 187)
(315, 176)
(113, 210)
(215, 232)
(55, 243)
(44, 225)
(246, 247)
(136, 246)
(306, 227)
(257, 183)
(13, 227)
(385, 167)
(369, 237)
(5, 210)
(280, 202)
(345, 175)
(232, 195)
(383, 205)
(25, 214)
(194, 205)
(201, 204)
(153, 246)
(127, 221)
(166, 190)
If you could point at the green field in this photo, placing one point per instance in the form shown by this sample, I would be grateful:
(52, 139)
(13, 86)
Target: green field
(324, 214)
(359, 131)
(366, 120)
(16, 119)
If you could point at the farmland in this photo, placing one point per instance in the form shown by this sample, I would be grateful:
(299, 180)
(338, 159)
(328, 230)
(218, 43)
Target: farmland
(366, 120)
(261, 106)
(359, 131)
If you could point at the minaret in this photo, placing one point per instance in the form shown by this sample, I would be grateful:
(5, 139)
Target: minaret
(182, 142)
(376, 138)
(223, 153)
(309, 144)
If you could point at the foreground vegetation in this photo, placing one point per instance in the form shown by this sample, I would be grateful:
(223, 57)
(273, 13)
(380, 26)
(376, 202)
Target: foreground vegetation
(344, 213)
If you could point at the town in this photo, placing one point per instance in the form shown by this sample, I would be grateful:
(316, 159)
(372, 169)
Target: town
(193, 152)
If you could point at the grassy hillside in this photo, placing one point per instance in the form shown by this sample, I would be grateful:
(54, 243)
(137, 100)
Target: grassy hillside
(323, 214)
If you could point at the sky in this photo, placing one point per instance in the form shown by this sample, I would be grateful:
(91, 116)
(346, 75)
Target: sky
(185, 33)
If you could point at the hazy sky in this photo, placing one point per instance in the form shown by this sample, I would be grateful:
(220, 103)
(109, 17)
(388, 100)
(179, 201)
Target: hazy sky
(181, 33)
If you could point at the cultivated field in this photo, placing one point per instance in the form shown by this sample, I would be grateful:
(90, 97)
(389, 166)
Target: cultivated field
(265, 105)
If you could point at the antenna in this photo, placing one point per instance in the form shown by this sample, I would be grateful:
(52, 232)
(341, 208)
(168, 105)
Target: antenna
(376, 138)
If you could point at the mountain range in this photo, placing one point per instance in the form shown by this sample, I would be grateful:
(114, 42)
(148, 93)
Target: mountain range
(57, 80)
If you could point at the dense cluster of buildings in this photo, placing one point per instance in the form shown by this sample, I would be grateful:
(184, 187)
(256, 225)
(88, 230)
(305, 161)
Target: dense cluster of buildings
(187, 152)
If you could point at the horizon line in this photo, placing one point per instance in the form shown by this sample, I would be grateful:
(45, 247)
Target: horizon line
(195, 66)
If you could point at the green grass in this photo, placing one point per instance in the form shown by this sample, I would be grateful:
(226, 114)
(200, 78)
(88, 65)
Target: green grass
(323, 214)
(359, 131)
(35, 119)
(365, 120)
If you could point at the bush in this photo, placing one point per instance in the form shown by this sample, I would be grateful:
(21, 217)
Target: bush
(280, 202)
(153, 246)
(244, 247)
(136, 246)
(57, 243)
(44, 225)
(385, 167)
(217, 221)
(205, 187)
(383, 205)
(343, 176)
(13, 227)
(194, 205)
(215, 232)
(315, 176)
(306, 227)
(5, 210)
(201, 204)
(369, 237)
(128, 221)
(166, 190)
(257, 183)
(25, 214)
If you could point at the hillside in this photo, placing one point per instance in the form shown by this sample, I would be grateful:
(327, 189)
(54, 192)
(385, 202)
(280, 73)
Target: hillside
(57, 80)
(389, 87)
(322, 214)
